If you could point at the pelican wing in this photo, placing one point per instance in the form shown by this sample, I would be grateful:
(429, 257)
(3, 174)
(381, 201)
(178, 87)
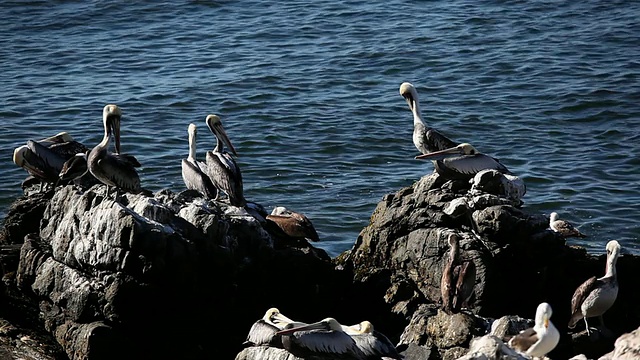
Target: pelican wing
(578, 298)
(68, 149)
(566, 229)
(523, 341)
(261, 333)
(465, 282)
(129, 159)
(321, 341)
(470, 165)
(435, 141)
(74, 168)
(225, 175)
(50, 160)
(195, 179)
(120, 173)
(375, 345)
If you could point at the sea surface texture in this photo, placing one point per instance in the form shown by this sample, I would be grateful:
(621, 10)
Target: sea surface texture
(308, 94)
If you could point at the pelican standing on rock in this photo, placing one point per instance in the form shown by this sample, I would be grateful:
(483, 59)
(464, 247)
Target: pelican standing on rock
(563, 227)
(263, 331)
(595, 296)
(425, 139)
(539, 340)
(325, 337)
(458, 279)
(193, 171)
(462, 162)
(372, 343)
(113, 169)
(221, 168)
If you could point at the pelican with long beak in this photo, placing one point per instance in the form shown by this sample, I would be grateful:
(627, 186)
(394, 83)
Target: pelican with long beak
(325, 337)
(193, 171)
(539, 340)
(113, 169)
(426, 139)
(263, 331)
(462, 162)
(221, 167)
(44, 159)
(595, 296)
(372, 343)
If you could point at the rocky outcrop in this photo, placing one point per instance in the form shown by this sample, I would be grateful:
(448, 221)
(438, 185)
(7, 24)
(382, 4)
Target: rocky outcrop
(520, 263)
(175, 276)
(169, 275)
(627, 347)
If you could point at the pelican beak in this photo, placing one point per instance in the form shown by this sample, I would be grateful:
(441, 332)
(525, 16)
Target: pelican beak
(279, 318)
(546, 322)
(314, 326)
(442, 154)
(222, 134)
(115, 126)
(409, 100)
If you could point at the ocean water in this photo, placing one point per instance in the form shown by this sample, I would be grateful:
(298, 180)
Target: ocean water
(308, 93)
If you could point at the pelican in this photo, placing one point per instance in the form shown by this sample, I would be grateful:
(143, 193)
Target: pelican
(458, 279)
(221, 168)
(373, 344)
(325, 337)
(540, 339)
(595, 296)
(263, 331)
(425, 139)
(293, 224)
(563, 227)
(193, 171)
(43, 159)
(74, 168)
(462, 162)
(113, 169)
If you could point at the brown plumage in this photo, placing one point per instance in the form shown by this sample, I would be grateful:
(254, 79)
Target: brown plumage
(293, 224)
(458, 279)
(563, 227)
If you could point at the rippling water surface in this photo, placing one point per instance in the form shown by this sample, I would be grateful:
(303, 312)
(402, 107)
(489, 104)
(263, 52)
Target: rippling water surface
(308, 93)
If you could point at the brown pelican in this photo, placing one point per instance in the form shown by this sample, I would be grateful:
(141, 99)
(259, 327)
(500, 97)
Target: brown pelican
(425, 139)
(74, 168)
(458, 279)
(113, 169)
(193, 171)
(462, 162)
(595, 296)
(373, 344)
(540, 339)
(221, 168)
(45, 158)
(325, 337)
(293, 224)
(263, 331)
(563, 227)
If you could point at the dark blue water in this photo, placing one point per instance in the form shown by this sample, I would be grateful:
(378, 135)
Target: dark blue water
(308, 93)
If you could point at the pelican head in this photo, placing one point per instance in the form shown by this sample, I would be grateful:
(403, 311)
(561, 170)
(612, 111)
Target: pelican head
(453, 240)
(273, 316)
(215, 125)
(61, 137)
(364, 327)
(192, 130)
(409, 93)
(111, 115)
(462, 149)
(19, 154)
(553, 216)
(328, 324)
(613, 250)
(543, 314)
